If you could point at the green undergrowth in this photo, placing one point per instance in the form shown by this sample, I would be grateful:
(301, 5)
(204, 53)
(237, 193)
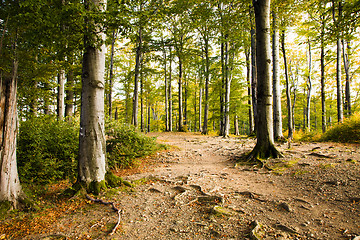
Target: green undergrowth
(125, 145)
(47, 149)
(347, 132)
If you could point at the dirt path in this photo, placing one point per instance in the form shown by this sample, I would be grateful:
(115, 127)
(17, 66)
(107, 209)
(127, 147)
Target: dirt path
(196, 192)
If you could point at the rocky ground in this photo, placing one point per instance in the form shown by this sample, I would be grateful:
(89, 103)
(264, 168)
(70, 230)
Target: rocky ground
(196, 191)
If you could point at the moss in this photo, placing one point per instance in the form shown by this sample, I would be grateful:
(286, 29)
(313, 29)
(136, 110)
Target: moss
(96, 187)
(5, 206)
(114, 181)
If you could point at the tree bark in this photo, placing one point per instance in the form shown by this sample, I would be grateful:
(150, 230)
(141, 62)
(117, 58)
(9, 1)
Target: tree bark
(254, 79)
(92, 145)
(309, 88)
(347, 105)
(180, 94)
(166, 94)
(248, 78)
(134, 120)
(111, 76)
(61, 95)
(264, 147)
(10, 188)
(69, 103)
(322, 83)
(170, 92)
(339, 99)
(226, 122)
(288, 94)
(276, 83)
(205, 129)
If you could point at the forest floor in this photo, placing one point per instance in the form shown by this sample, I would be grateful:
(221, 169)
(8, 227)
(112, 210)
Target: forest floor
(196, 191)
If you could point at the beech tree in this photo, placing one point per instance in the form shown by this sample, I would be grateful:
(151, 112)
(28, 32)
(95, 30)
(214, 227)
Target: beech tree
(92, 145)
(264, 147)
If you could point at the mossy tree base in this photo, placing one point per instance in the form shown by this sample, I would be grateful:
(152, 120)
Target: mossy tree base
(111, 181)
(261, 153)
(24, 204)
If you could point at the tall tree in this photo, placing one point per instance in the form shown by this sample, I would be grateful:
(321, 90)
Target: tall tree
(288, 94)
(264, 147)
(10, 188)
(92, 166)
(276, 81)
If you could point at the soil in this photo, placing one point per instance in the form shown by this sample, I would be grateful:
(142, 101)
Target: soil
(197, 190)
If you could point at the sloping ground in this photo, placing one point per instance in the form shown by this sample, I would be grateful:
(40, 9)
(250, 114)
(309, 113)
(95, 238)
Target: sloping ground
(196, 192)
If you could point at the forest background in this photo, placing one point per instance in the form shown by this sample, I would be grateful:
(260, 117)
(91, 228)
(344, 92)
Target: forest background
(176, 66)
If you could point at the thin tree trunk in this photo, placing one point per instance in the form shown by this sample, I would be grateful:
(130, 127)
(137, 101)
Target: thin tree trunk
(200, 107)
(166, 94)
(134, 120)
(339, 99)
(322, 82)
(254, 79)
(185, 102)
(170, 92)
(276, 83)
(248, 78)
(347, 105)
(92, 144)
(181, 115)
(69, 103)
(61, 95)
(288, 94)
(111, 73)
(142, 124)
(309, 86)
(207, 80)
(226, 122)
(236, 125)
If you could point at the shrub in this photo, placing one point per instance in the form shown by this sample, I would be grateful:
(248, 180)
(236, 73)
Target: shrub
(47, 149)
(124, 145)
(347, 131)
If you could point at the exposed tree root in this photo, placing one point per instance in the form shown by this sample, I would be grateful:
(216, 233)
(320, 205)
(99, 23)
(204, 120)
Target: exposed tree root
(113, 207)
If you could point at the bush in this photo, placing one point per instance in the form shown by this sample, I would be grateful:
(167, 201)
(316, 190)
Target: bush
(347, 131)
(47, 150)
(124, 145)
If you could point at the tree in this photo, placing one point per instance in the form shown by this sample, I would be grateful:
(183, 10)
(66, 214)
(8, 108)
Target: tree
(10, 188)
(288, 94)
(276, 82)
(92, 166)
(264, 147)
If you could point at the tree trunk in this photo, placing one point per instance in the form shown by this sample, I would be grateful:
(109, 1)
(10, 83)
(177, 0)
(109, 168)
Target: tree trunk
(69, 103)
(288, 94)
(61, 95)
(339, 99)
(185, 102)
(92, 145)
(265, 138)
(236, 125)
(181, 115)
(10, 188)
(134, 120)
(276, 83)
(166, 94)
(322, 83)
(200, 107)
(254, 79)
(248, 78)
(207, 80)
(226, 122)
(142, 124)
(347, 105)
(309, 86)
(111, 73)
(170, 92)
